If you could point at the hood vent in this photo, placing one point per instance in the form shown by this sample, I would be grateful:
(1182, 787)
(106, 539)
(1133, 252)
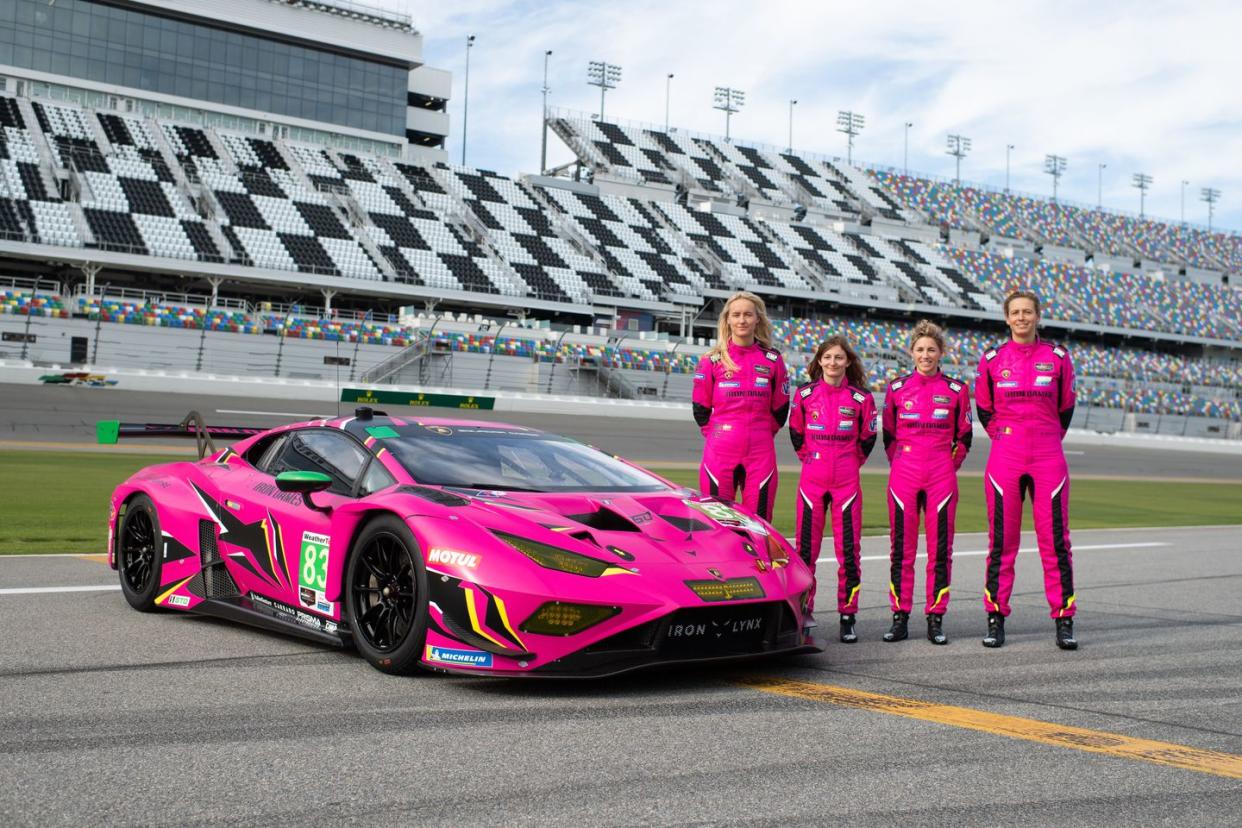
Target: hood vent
(687, 524)
(605, 520)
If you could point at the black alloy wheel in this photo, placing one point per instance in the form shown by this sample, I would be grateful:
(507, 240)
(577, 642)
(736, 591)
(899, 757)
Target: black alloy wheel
(386, 596)
(138, 555)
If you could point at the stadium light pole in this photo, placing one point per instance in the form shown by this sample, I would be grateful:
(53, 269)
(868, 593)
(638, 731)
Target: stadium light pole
(958, 146)
(905, 150)
(1185, 184)
(728, 100)
(543, 147)
(1099, 185)
(604, 75)
(792, 103)
(851, 123)
(668, 91)
(1211, 195)
(1054, 165)
(1142, 181)
(465, 99)
(1008, 149)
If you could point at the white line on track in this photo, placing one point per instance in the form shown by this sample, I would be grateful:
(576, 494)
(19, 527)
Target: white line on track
(268, 413)
(975, 553)
(43, 590)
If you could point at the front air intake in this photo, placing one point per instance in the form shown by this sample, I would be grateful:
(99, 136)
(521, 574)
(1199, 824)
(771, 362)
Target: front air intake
(217, 583)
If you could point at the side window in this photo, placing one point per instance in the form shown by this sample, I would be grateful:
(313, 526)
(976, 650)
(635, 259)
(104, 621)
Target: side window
(262, 455)
(376, 477)
(323, 451)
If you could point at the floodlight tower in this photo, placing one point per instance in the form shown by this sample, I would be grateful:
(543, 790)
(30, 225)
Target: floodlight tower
(728, 100)
(1185, 184)
(465, 100)
(905, 149)
(851, 123)
(1008, 149)
(604, 75)
(1211, 195)
(792, 103)
(1143, 182)
(1054, 165)
(543, 144)
(958, 146)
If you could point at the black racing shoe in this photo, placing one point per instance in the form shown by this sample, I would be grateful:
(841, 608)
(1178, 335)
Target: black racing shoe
(900, 630)
(935, 633)
(848, 636)
(996, 630)
(1065, 634)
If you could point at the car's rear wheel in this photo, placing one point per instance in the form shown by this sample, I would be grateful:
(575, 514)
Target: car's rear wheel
(138, 556)
(386, 596)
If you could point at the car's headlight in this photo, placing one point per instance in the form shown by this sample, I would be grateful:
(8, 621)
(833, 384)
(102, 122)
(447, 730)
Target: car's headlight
(562, 560)
(556, 618)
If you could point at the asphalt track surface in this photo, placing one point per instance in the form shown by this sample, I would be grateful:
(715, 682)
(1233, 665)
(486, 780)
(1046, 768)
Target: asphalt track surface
(61, 414)
(116, 717)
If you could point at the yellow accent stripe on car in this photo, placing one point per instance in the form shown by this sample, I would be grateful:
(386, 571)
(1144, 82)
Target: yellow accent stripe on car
(504, 619)
(1214, 762)
(165, 595)
(474, 617)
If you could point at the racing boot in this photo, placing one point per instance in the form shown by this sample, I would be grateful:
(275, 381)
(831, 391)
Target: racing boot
(996, 630)
(935, 632)
(848, 636)
(1065, 634)
(900, 630)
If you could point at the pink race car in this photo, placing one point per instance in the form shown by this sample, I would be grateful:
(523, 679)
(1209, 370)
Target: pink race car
(457, 545)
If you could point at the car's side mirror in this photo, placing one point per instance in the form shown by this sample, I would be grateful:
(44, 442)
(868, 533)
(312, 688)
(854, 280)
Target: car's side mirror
(305, 483)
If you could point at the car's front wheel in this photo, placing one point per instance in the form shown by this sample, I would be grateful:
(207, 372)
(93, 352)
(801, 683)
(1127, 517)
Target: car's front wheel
(386, 596)
(138, 554)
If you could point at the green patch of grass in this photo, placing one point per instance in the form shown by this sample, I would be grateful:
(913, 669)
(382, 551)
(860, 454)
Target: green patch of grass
(58, 501)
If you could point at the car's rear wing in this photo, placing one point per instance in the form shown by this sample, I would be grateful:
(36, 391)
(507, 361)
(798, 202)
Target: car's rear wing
(109, 432)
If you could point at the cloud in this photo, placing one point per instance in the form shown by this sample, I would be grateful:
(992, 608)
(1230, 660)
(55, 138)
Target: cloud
(1139, 86)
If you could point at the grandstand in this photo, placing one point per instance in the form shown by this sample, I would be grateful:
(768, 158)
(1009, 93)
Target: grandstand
(177, 238)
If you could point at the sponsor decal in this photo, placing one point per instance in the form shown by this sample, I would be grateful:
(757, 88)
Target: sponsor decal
(805, 392)
(875, 421)
(1006, 373)
(452, 557)
(1010, 384)
(443, 431)
(858, 397)
(268, 490)
(715, 357)
(1044, 380)
(908, 404)
(847, 411)
(727, 427)
(940, 414)
(313, 569)
(765, 370)
(716, 629)
(295, 614)
(941, 399)
(178, 601)
(728, 375)
(734, 384)
(815, 427)
(324, 607)
(954, 387)
(641, 517)
(463, 658)
(726, 515)
(1059, 351)
(761, 382)
(990, 355)
(845, 425)
(913, 415)
(699, 377)
(772, 355)
(1044, 366)
(896, 384)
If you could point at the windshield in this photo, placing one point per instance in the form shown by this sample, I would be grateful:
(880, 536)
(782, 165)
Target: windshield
(482, 457)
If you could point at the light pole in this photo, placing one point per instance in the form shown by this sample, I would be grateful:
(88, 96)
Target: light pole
(1099, 186)
(1054, 165)
(905, 150)
(543, 146)
(958, 146)
(1142, 181)
(668, 91)
(604, 75)
(465, 100)
(1211, 195)
(728, 100)
(851, 123)
(792, 102)
(1008, 149)
(1185, 184)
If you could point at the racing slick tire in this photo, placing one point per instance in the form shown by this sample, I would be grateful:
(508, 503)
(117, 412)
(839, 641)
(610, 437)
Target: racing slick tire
(139, 554)
(385, 593)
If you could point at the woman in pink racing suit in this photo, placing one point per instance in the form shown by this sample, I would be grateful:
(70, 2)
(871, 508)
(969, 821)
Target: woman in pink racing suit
(927, 430)
(1025, 396)
(833, 426)
(740, 401)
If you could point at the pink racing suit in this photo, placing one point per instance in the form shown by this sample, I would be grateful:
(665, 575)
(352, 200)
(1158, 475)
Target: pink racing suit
(833, 430)
(739, 412)
(927, 431)
(1025, 397)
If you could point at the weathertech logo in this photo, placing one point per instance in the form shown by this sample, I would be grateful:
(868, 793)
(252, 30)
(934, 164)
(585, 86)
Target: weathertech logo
(453, 558)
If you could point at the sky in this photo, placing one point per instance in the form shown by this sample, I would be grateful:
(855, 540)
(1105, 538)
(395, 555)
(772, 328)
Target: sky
(1141, 87)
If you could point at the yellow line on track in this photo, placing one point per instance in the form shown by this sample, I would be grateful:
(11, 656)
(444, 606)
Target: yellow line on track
(1015, 727)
